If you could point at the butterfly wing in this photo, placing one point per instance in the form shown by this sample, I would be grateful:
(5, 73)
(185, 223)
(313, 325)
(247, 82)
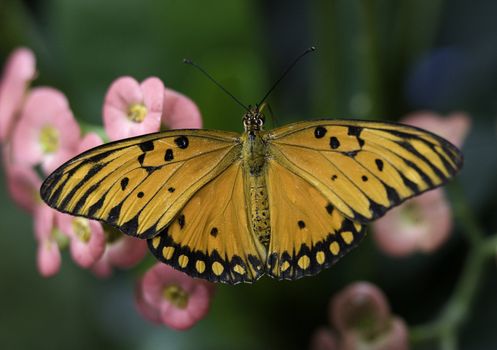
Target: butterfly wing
(138, 185)
(307, 233)
(210, 238)
(363, 168)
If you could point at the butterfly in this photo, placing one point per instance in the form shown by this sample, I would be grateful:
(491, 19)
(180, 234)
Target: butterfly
(230, 207)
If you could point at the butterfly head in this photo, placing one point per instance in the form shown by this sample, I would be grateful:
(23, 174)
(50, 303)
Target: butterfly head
(253, 120)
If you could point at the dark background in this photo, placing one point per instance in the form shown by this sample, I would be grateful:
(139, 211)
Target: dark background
(375, 59)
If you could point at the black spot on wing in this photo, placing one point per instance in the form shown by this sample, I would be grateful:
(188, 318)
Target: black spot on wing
(379, 164)
(182, 142)
(124, 183)
(329, 208)
(334, 143)
(168, 156)
(181, 221)
(214, 232)
(147, 146)
(301, 224)
(354, 131)
(319, 132)
(351, 154)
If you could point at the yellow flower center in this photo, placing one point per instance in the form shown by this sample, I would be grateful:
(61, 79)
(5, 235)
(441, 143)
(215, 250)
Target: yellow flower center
(176, 295)
(81, 228)
(61, 239)
(137, 112)
(411, 214)
(49, 139)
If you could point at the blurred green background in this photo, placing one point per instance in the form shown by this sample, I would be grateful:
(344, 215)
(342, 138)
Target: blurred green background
(375, 59)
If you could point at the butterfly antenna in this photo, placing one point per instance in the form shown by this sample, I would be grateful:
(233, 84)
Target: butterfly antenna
(190, 62)
(289, 68)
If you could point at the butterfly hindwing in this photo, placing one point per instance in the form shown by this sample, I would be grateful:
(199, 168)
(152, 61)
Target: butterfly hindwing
(308, 233)
(210, 238)
(364, 168)
(138, 185)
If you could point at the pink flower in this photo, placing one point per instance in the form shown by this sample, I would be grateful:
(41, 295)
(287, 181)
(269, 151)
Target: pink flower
(47, 133)
(362, 318)
(180, 112)
(132, 109)
(49, 239)
(423, 223)
(173, 298)
(87, 238)
(19, 70)
(120, 251)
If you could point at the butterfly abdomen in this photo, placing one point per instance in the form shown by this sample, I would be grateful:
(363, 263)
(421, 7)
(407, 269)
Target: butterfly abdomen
(254, 160)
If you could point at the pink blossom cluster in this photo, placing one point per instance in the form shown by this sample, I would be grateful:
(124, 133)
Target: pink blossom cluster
(38, 132)
(361, 319)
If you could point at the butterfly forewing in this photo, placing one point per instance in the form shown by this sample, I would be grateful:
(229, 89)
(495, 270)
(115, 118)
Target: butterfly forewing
(364, 168)
(138, 185)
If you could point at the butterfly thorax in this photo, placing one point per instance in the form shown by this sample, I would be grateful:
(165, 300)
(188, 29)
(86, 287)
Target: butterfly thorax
(254, 168)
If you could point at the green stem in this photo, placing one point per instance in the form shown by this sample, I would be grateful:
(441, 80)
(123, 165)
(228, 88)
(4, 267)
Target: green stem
(444, 328)
(464, 214)
(458, 306)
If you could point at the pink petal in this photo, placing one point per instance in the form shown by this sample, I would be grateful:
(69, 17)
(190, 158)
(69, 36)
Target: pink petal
(89, 141)
(48, 254)
(125, 92)
(44, 222)
(153, 95)
(176, 318)
(180, 112)
(18, 72)
(97, 241)
(398, 235)
(24, 185)
(454, 127)
(48, 258)
(44, 107)
(147, 310)
(126, 251)
(102, 267)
